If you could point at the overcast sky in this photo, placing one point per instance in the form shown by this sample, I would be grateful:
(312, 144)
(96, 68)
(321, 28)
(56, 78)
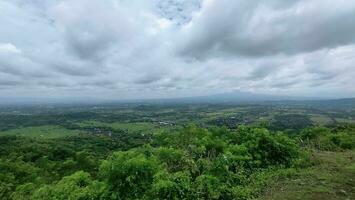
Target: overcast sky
(119, 49)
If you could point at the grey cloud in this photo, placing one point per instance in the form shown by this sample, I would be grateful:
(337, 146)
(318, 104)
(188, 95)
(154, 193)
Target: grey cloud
(18, 65)
(9, 69)
(259, 28)
(88, 46)
(264, 70)
(74, 69)
(54, 84)
(284, 84)
(10, 83)
(92, 27)
(148, 79)
(99, 83)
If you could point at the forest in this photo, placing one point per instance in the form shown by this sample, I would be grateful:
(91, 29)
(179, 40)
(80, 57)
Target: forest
(176, 152)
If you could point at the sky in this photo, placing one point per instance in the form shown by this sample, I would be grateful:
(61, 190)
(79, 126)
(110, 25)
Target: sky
(124, 49)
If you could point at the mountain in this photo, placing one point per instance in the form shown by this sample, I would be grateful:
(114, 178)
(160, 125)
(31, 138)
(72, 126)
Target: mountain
(232, 97)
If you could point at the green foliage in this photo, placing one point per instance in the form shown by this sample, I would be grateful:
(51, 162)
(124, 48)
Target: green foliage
(265, 148)
(67, 152)
(197, 163)
(77, 186)
(290, 122)
(41, 132)
(208, 187)
(129, 175)
(28, 163)
(192, 163)
(339, 138)
(174, 159)
(172, 186)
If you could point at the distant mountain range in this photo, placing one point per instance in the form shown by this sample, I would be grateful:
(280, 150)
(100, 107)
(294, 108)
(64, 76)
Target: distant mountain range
(232, 97)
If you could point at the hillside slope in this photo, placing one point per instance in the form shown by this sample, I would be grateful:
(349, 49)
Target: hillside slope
(332, 177)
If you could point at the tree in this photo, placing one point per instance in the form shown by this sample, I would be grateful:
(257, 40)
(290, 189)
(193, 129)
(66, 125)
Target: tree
(129, 175)
(78, 186)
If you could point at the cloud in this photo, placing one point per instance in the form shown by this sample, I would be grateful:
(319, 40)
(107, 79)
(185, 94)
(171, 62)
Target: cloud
(263, 28)
(91, 28)
(178, 11)
(157, 48)
(8, 48)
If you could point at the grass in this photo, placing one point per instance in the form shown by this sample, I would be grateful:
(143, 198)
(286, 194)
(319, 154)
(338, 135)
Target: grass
(47, 132)
(342, 120)
(321, 119)
(332, 177)
(130, 127)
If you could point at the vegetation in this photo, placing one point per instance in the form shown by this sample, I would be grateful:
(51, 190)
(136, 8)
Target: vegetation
(102, 155)
(330, 177)
(42, 132)
(336, 139)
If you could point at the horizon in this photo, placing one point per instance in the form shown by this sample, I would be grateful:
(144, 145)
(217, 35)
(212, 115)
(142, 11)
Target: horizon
(219, 98)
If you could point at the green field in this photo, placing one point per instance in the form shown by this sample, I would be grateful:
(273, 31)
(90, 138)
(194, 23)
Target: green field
(321, 119)
(130, 127)
(41, 132)
(342, 120)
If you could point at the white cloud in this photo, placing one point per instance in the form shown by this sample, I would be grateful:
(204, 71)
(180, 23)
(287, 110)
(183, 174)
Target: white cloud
(8, 48)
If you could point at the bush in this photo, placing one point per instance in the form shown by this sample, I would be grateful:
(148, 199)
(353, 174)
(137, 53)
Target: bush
(338, 138)
(129, 175)
(77, 186)
(267, 149)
